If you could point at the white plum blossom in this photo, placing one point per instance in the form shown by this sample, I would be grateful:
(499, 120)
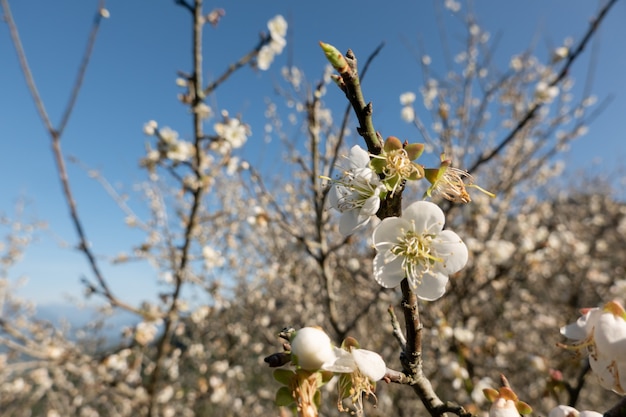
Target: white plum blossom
(170, 146)
(415, 246)
(233, 132)
(212, 258)
(545, 92)
(503, 407)
(277, 27)
(311, 348)
(505, 403)
(357, 193)
(180, 151)
(150, 127)
(560, 53)
(145, 332)
(602, 331)
(202, 110)
(265, 58)
(567, 411)
(407, 114)
(406, 99)
(278, 30)
(369, 363)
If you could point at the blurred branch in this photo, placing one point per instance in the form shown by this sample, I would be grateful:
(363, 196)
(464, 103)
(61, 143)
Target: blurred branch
(618, 410)
(571, 58)
(234, 67)
(55, 136)
(163, 343)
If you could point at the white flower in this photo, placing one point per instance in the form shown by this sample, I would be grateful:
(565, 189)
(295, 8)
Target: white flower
(603, 333)
(212, 258)
(168, 135)
(150, 128)
(452, 5)
(545, 92)
(503, 407)
(233, 132)
(278, 27)
(567, 411)
(202, 110)
(560, 53)
(407, 114)
(357, 193)
(277, 45)
(311, 348)
(406, 99)
(415, 246)
(265, 58)
(145, 332)
(368, 363)
(180, 151)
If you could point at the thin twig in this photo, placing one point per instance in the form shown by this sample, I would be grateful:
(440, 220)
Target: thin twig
(80, 76)
(55, 136)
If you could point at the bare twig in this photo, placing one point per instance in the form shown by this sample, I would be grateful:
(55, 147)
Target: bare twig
(55, 136)
(163, 343)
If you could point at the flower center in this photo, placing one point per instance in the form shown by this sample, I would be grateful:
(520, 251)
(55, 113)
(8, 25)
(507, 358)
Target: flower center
(354, 190)
(398, 164)
(416, 249)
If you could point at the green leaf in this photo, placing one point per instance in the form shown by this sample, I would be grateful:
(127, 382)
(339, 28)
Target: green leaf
(283, 397)
(284, 376)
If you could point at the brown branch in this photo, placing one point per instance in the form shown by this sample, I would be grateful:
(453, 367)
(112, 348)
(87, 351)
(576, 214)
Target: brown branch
(21, 55)
(351, 86)
(234, 67)
(80, 76)
(163, 344)
(618, 410)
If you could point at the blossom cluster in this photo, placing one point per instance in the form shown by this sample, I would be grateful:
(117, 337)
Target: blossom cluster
(316, 360)
(278, 30)
(414, 245)
(602, 332)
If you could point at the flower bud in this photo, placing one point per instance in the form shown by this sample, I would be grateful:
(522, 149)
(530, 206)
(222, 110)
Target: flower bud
(311, 348)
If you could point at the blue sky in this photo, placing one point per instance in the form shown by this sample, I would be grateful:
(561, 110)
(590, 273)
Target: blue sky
(143, 44)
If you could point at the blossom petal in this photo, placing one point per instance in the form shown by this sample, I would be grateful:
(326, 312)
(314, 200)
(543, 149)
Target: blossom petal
(359, 158)
(610, 373)
(449, 246)
(371, 364)
(388, 231)
(389, 274)
(610, 336)
(426, 216)
(371, 206)
(343, 363)
(348, 222)
(431, 287)
(583, 327)
(311, 348)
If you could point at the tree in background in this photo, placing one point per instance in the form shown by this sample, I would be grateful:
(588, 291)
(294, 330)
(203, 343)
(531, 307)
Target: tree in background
(263, 251)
